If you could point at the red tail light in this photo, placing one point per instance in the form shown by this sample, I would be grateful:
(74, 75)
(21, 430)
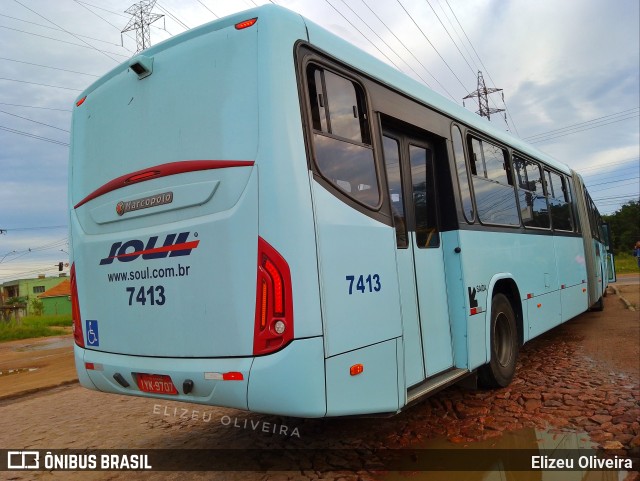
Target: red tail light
(75, 309)
(274, 303)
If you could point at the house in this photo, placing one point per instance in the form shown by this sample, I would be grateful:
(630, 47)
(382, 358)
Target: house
(22, 291)
(57, 300)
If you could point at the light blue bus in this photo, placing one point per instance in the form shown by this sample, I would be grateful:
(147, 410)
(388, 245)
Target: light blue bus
(265, 217)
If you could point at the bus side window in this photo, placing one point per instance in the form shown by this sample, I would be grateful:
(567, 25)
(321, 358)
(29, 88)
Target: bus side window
(533, 203)
(492, 186)
(560, 202)
(463, 178)
(341, 136)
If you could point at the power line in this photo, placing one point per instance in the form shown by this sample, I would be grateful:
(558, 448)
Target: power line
(382, 40)
(34, 121)
(47, 66)
(552, 137)
(613, 186)
(104, 20)
(33, 136)
(454, 42)
(36, 107)
(569, 127)
(63, 41)
(37, 228)
(72, 34)
(432, 46)
(483, 65)
(56, 29)
(358, 30)
(617, 162)
(42, 85)
(171, 15)
(201, 3)
(410, 52)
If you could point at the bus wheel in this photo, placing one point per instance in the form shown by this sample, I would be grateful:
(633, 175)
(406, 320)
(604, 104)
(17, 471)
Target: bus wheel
(599, 305)
(504, 345)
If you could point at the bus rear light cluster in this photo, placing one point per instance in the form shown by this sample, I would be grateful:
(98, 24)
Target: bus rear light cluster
(274, 303)
(75, 308)
(246, 23)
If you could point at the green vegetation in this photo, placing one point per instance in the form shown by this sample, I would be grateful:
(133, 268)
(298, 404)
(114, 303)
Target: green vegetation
(34, 326)
(626, 264)
(625, 228)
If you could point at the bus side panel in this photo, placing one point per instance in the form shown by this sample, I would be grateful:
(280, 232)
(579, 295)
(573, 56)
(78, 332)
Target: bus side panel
(543, 312)
(572, 275)
(358, 276)
(374, 390)
(458, 300)
(291, 381)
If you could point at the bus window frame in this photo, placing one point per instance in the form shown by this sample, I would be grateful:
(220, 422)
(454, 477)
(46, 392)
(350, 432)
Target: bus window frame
(304, 55)
(542, 167)
(454, 162)
(470, 134)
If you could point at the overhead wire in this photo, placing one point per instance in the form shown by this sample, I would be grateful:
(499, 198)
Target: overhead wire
(35, 107)
(56, 29)
(42, 85)
(382, 40)
(360, 32)
(432, 46)
(410, 52)
(482, 63)
(33, 136)
(70, 33)
(48, 66)
(63, 41)
(31, 120)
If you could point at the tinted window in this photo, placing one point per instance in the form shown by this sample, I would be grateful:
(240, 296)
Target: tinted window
(394, 181)
(534, 209)
(495, 197)
(424, 201)
(463, 179)
(341, 137)
(559, 202)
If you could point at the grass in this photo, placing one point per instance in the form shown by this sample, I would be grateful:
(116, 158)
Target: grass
(626, 264)
(33, 326)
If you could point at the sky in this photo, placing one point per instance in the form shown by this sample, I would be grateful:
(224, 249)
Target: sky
(569, 71)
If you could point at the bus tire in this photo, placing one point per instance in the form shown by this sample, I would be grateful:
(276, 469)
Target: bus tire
(599, 305)
(504, 345)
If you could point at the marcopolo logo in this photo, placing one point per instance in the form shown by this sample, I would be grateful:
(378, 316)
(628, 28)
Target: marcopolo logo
(174, 245)
(144, 203)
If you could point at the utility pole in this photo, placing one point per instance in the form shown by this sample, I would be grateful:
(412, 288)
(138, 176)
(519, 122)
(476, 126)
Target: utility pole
(141, 20)
(483, 98)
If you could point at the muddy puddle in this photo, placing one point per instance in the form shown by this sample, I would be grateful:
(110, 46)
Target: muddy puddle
(49, 344)
(8, 372)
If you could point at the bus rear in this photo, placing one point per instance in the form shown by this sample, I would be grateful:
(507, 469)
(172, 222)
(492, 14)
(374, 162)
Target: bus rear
(178, 292)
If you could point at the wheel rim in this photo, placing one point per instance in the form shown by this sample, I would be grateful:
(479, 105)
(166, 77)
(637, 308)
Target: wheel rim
(502, 338)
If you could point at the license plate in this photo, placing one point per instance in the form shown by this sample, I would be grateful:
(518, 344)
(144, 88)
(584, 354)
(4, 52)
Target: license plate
(156, 383)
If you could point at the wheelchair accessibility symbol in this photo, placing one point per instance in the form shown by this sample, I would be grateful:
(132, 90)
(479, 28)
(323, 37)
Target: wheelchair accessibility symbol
(92, 333)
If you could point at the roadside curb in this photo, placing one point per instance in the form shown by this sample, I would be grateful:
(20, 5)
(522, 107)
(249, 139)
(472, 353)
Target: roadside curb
(625, 301)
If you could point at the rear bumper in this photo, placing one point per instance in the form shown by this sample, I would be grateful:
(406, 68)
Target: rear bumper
(288, 382)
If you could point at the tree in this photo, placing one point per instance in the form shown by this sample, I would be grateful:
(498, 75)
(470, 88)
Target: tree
(625, 227)
(37, 307)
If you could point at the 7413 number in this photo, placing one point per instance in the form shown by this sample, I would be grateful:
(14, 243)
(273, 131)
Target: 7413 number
(371, 283)
(154, 295)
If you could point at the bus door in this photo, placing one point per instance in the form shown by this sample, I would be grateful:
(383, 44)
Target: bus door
(426, 330)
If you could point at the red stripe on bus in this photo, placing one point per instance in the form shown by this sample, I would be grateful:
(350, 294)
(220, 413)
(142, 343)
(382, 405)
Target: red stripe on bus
(171, 248)
(162, 170)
